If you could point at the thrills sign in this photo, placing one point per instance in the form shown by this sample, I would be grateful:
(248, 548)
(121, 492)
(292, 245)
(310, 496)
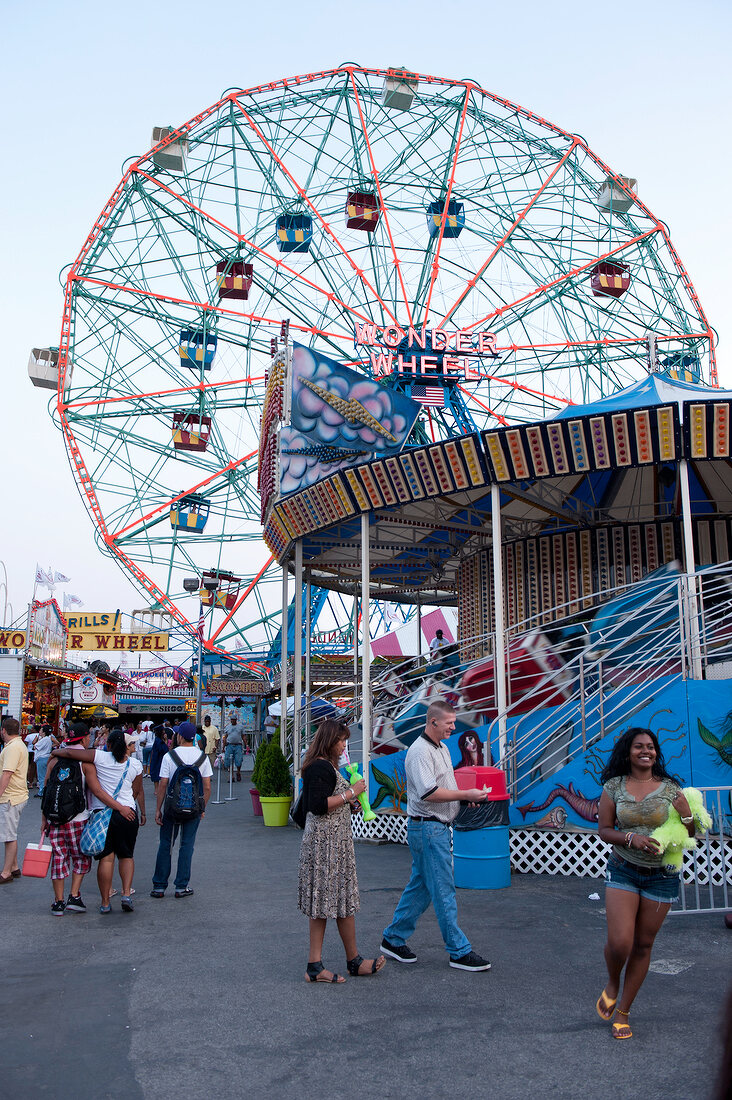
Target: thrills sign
(95, 622)
(152, 643)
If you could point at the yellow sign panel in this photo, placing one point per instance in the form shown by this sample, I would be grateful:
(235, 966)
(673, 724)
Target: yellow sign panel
(151, 643)
(97, 622)
(12, 639)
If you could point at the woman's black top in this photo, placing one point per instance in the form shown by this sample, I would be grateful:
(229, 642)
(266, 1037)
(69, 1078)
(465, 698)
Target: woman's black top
(318, 784)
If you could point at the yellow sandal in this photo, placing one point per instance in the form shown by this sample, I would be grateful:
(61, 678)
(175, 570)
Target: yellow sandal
(604, 1002)
(622, 1031)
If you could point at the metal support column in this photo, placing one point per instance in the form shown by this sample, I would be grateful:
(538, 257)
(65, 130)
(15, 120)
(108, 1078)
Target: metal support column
(690, 580)
(499, 648)
(283, 661)
(365, 647)
(308, 646)
(297, 661)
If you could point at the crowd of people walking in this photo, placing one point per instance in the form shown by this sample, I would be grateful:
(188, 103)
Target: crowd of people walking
(91, 785)
(94, 782)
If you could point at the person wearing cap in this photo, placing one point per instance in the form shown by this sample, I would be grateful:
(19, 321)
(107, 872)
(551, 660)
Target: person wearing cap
(233, 746)
(187, 753)
(115, 766)
(437, 644)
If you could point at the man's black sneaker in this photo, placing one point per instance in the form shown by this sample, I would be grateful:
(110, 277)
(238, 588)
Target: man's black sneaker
(185, 893)
(471, 961)
(75, 904)
(398, 951)
(58, 908)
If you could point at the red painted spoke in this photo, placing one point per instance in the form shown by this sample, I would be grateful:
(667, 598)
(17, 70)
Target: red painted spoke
(273, 260)
(241, 599)
(562, 279)
(199, 387)
(443, 223)
(317, 214)
(483, 406)
(517, 221)
(382, 204)
(235, 462)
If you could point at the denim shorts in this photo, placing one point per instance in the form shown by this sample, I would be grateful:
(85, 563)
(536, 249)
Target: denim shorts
(650, 882)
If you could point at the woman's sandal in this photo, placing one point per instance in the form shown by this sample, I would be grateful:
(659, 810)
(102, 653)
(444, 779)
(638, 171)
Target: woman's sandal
(622, 1031)
(354, 966)
(314, 970)
(605, 1007)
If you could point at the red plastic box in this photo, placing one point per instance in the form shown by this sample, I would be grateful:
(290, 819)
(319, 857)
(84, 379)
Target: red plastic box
(492, 778)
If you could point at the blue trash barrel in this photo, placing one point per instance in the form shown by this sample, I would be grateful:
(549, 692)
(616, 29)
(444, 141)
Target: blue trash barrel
(482, 858)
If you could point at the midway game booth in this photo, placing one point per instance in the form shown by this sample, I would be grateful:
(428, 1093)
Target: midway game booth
(570, 546)
(43, 685)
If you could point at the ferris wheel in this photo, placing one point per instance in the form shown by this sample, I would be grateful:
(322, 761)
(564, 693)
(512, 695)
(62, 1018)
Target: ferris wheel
(363, 214)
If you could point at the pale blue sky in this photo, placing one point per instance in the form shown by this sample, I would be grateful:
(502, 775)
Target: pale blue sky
(646, 84)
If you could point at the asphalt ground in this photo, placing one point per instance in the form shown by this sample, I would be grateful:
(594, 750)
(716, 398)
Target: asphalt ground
(206, 996)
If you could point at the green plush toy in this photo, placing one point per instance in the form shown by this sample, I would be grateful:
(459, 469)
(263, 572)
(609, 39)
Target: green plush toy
(672, 835)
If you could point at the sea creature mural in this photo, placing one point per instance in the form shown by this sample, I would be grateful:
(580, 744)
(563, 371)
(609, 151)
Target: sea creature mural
(555, 819)
(587, 808)
(721, 745)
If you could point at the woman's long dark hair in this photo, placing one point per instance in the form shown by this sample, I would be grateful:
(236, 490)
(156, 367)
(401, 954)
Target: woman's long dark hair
(619, 762)
(323, 744)
(117, 745)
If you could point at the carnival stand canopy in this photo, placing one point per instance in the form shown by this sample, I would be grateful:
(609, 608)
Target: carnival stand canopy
(611, 469)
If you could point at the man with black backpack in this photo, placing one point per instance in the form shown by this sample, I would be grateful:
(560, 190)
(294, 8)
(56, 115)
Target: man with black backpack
(64, 814)
(182, 793)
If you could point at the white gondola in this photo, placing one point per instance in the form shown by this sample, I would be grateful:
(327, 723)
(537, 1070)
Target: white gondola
(43, 368)
(399, 89)
(612, 197)
(173, 156)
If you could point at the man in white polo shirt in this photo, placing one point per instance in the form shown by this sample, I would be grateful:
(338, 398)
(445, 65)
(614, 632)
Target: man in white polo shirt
(433, 801)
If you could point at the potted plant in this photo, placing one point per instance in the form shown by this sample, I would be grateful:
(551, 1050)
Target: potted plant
(275, 786)
(256, 804)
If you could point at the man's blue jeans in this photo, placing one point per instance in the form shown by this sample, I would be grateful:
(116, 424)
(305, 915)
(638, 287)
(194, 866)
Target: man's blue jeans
(432, 880)
(168, 832)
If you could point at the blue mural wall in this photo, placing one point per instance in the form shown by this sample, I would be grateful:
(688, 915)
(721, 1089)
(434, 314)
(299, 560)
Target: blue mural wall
(692, 721)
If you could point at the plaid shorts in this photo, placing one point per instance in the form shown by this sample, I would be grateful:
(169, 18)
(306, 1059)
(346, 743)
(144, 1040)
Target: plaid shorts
(67, 855)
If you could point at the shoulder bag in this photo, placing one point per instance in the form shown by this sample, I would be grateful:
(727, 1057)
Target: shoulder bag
(94, 834)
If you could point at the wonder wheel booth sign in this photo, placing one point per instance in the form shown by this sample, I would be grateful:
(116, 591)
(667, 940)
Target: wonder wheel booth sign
(46, 683)
(47, 634)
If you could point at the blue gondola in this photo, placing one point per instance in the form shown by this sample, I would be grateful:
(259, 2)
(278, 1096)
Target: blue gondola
(189, 513)
(294, 232)
(454, 222)
(197, 348)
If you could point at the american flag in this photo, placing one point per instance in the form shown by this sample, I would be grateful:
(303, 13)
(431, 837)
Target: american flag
(201, 624)
(429, 395)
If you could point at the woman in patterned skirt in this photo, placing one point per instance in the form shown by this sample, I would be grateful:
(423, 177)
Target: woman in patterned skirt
(328, 886)
(635, 800)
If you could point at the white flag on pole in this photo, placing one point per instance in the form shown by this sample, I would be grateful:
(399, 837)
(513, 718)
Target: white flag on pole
(59, 578)
(71, 601)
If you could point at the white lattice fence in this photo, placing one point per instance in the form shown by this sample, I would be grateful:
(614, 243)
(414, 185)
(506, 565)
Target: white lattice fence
(546, 852)
(391, 827)
(550, 852)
